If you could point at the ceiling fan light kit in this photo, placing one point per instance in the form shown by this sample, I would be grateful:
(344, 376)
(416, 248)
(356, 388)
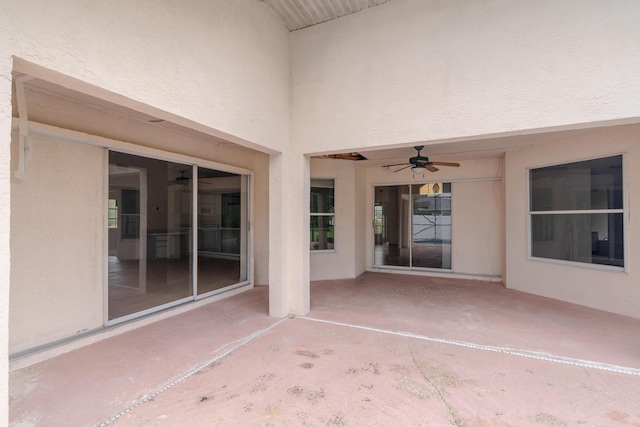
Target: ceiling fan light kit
(418, 169)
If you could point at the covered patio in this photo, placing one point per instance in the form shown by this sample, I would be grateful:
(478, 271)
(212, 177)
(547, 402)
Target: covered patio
(381, 349)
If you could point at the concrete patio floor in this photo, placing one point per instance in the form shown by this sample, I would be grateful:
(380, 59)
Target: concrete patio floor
(379, 350)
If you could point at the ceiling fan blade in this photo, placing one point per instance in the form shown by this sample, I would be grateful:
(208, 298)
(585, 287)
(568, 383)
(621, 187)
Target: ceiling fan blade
(455, 165)
(431, 168)
(403, 168)
(397, 164)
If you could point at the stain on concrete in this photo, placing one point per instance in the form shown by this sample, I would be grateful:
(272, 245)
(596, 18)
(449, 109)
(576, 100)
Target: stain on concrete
(619, 416)
(307, 353)
(295, 391)
(306, 365)
(547, 419)
(262, 382)
(315, 396)
(337, 419)
(272, 410)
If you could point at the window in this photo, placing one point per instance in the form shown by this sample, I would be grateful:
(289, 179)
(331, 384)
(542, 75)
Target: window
(113, 213)
(322, 214)
(577, 212)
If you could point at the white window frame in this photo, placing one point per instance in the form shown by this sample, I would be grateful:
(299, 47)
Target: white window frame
(624, 211)
(324, 214)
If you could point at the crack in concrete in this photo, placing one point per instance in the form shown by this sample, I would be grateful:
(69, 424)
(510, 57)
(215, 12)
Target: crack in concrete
(454, 419)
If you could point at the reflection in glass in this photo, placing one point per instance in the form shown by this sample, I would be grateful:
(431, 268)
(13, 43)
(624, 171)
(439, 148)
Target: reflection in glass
(586, 185)
(322, 208)
(322, 232)
(431, 228)
(577, 212)
(412, 225)
(390, 226)
(590, 238)
(149, 235)
(222, 211)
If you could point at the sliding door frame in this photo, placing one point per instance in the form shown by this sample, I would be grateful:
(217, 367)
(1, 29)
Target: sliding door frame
(409, 212)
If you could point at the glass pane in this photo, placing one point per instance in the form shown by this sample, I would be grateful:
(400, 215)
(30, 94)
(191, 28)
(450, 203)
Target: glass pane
(222, 215)
(322, 232)
(150, 249)
(322, 196)
(431, 233)
(592, 184)
(392, 228)
(588, 238)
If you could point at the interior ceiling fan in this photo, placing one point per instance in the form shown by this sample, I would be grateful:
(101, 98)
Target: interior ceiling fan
(181, 180)
(421, 164)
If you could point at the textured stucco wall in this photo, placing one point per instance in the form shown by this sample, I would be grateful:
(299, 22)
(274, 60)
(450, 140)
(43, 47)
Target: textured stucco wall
(614, 291)
(340, 263)
(478, 215)
(5, 226)
(289, 291)
(416, 70)
(57, 243)
(223, 64)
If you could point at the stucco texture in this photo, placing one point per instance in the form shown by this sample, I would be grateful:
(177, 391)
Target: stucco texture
(222, 64)
(57, 243)
(415, 70)
(615, 291)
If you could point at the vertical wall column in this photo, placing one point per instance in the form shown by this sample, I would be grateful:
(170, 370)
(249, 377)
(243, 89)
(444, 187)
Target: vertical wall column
(288, 235)
(5, 209)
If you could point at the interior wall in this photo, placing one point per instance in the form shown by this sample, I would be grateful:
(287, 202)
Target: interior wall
(57, 243)
(220, 64)
(341, 262)
(416, 70)
(476, 214)
(593, 286)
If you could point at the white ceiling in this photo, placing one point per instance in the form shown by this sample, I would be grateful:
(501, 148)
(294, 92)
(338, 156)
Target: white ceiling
(297, 14)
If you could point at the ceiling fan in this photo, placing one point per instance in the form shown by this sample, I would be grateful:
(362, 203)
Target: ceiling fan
(421, 164)
(181, 180)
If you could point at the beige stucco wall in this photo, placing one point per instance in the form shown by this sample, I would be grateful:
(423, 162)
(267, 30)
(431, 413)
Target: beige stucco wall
(416, 70)
(341, 262)
(221, 64)
(477, 219)
(5, 209)
(476, 213)
(57, 222)
(593, 286)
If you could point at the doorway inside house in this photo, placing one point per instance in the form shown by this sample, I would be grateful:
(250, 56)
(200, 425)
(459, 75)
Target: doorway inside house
(412, 226)
(176, 232)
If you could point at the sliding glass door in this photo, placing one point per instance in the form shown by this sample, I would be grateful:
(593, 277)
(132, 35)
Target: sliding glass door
(222, 247)
(412, 226)
(153, 262)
